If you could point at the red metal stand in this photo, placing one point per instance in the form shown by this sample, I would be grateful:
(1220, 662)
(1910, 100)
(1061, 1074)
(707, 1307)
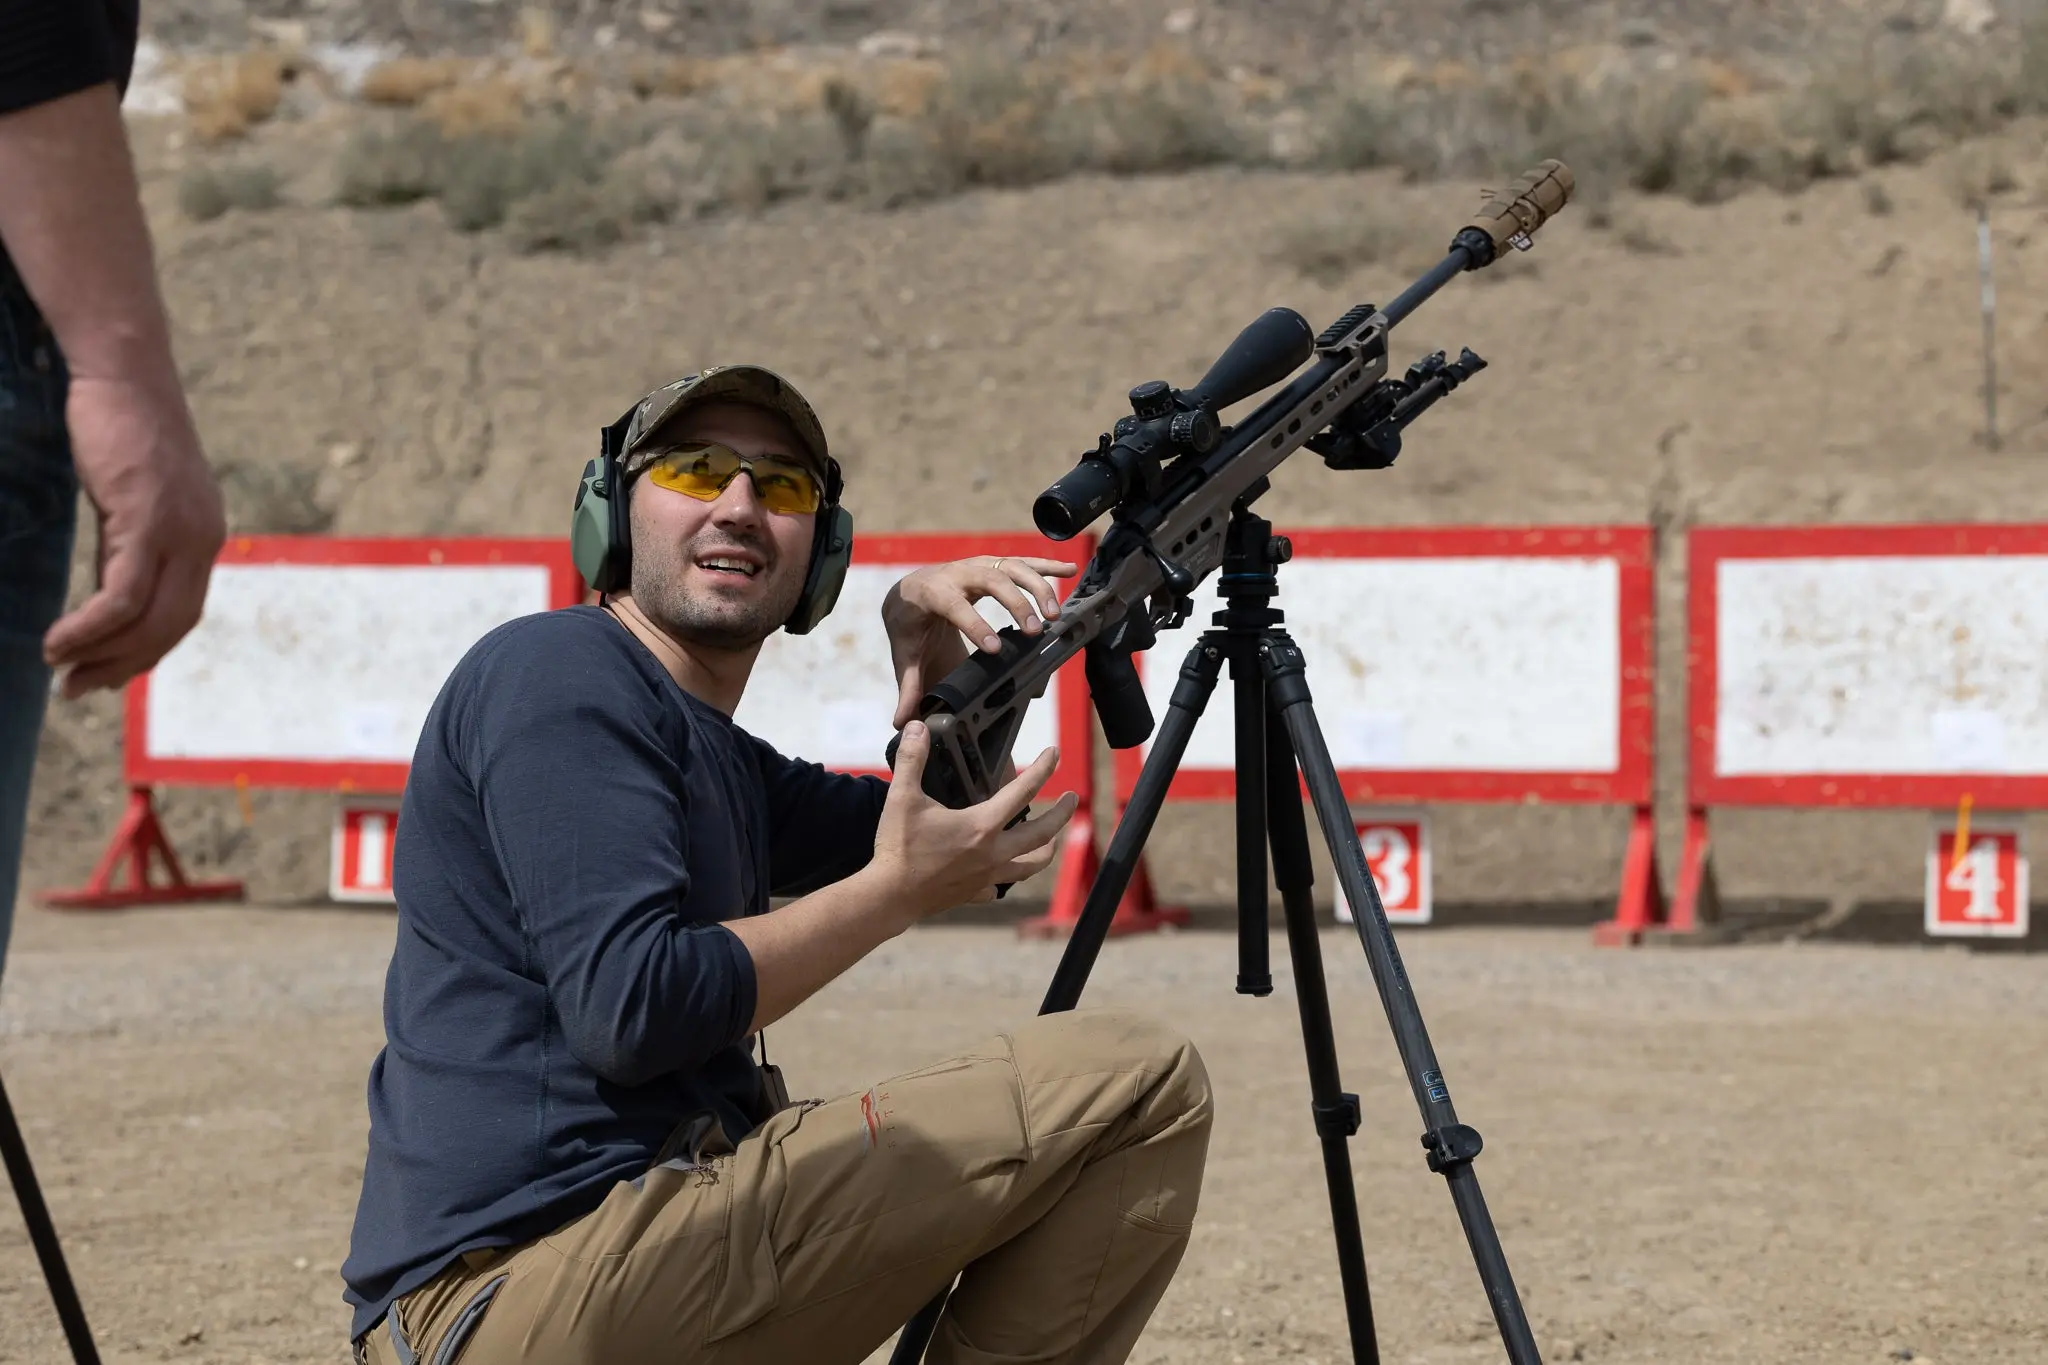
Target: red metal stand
(1696, 898)
(1080, 862)
(139, 837)
(1641, 906)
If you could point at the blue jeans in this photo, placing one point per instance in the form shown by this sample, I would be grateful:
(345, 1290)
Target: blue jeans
(38, 508)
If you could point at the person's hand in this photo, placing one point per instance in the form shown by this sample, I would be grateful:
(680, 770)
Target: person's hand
(160, 526)
(933, 857)
(928, 612)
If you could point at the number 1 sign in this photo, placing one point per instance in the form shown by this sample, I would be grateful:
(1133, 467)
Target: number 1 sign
(1396, 850)
(360, 864)
(1982, 894)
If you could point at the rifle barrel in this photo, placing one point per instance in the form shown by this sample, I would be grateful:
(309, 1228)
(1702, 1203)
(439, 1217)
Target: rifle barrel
(1439, 275)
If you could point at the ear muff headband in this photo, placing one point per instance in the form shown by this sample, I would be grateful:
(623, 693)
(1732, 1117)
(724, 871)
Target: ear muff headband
(600, 536)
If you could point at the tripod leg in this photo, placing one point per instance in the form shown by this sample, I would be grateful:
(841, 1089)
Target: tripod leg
(44, 1234)
(1336, 1113)
(1254, 927)
(1451, 1145)
(1198, 676)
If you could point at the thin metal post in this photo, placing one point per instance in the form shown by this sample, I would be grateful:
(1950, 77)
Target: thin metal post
(1988, 301)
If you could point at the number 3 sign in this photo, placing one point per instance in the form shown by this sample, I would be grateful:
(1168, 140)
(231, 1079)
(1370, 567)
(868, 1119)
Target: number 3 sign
(1396, 850)
(1982, 894)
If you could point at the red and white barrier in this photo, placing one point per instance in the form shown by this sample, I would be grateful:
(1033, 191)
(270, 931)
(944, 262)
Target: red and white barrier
(1455, 664)
(1873, 666)
(319, 657)
(313, 667)
(1844, 666)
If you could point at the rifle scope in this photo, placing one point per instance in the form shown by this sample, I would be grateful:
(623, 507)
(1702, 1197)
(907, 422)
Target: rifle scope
(1166, 422)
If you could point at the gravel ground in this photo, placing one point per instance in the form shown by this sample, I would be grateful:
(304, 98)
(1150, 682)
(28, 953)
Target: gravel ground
(1825, 1153)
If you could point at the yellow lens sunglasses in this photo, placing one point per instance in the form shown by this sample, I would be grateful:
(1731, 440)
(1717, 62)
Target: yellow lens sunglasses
(702, 469)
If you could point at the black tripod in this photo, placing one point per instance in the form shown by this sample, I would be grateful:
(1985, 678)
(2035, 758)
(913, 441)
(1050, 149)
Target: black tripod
(1275, 723)
(14, 1153)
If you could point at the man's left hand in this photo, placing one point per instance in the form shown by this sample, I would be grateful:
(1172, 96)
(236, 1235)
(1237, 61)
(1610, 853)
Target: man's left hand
(928, 612)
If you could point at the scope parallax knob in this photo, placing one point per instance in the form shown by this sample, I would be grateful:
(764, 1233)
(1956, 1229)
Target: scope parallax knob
(1154, 398)
(1279, 550)
(1197, 431)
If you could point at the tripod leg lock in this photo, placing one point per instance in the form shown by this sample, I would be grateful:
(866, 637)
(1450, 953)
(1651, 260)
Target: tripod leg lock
(1451, 1147)
(1338, 1120)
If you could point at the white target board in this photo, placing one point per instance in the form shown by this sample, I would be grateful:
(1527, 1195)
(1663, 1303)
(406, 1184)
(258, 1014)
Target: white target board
(317, 660)
(830, 696)
(1870, 666)
(1451, 665)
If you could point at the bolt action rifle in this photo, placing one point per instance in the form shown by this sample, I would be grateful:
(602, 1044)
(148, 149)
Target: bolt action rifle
(1180, 486)
(1171, 474)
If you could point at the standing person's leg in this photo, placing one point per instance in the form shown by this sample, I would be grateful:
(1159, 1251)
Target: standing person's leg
(38, 508)
(1059, 1164)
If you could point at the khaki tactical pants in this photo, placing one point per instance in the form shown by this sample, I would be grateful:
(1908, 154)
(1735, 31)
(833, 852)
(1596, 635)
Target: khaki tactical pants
(1056, 1168)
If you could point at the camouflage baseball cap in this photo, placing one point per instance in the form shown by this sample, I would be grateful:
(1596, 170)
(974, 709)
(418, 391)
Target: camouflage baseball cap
(738, 383)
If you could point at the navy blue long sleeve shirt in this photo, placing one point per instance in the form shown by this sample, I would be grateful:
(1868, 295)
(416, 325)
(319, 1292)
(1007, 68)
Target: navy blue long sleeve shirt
(562, 995)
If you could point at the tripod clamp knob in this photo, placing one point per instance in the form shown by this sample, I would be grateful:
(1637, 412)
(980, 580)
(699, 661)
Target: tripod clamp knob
(1450, 1147)
(1340, 1119)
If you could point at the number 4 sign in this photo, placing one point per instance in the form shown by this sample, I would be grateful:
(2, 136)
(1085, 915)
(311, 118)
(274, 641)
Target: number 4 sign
(1982, 894)
(1396, 847)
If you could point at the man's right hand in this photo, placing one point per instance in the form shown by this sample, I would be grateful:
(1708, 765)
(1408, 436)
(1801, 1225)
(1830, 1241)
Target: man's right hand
(160, 526)
(71, 223)
(935, 857)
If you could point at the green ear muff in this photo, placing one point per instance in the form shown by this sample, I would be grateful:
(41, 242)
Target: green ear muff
(600, 538)
(599, 542)
(831, 554)
(590, 528)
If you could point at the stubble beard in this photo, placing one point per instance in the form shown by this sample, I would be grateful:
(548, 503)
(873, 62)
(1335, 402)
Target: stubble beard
(703, 619)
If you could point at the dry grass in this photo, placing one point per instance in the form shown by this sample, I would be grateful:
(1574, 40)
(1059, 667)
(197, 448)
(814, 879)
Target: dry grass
(494, 105)
(205, 192)
(383, 166)
(654, 77)
(483, 176)
(1979, 173)
(742, 133)
(405, 81)
(225, 97)
(906, 88)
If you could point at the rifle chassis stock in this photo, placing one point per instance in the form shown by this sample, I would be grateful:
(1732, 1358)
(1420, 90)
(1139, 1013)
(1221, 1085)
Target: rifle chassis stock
(1171, 535)
(1346, 410)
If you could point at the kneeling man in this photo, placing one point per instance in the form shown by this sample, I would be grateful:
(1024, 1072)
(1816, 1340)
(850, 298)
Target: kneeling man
(575, 1156)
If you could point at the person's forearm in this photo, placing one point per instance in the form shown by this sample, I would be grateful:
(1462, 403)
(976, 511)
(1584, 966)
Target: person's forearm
(804, 945)
(73, 226)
